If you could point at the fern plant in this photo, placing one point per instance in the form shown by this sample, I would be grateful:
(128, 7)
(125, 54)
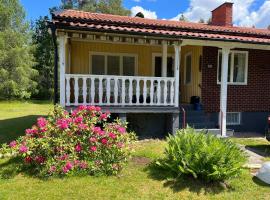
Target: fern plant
(201, 155)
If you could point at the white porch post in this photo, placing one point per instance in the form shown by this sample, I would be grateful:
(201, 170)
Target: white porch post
(177, 57)
(164, 58)
(62, 39)
(223, 90)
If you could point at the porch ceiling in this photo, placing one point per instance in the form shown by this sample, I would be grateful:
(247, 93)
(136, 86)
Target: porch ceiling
(78, 20)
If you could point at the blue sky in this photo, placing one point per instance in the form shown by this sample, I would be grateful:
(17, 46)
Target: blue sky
(246, 12)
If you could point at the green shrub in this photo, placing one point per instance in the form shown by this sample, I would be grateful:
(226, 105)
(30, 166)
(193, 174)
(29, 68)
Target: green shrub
(201, 155)
(65, 144)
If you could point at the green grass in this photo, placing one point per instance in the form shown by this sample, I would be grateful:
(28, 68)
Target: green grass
(136, 181)
(16, 116)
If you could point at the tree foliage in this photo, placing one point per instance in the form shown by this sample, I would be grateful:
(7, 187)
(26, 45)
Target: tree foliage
(44, 55)
(16, 58)
(99, 6)
(183, 18)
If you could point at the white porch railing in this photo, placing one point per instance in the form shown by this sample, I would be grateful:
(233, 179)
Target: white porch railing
(106, 90)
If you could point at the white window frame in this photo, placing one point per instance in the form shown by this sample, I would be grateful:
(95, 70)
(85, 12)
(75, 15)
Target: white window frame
(154, 55)
(232, 52)
(185, 70)
(239, 119)
(121, 55)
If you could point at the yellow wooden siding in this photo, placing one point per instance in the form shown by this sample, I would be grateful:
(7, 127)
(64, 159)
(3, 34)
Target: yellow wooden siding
(192, 89)
(80, 55)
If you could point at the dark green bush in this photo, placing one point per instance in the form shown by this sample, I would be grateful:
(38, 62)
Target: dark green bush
(201, 155)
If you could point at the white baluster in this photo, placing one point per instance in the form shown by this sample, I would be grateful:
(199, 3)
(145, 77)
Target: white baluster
(68, 91)
(76, 90)
(115, 91)
(165, 90)
(108, 90)
(123, 91)
(144, 91)
(92, 92)
(137, 91)
(158, 92)
(152, 92)
(100, 93)
(130, 91)
(84, 90)
(172, 92)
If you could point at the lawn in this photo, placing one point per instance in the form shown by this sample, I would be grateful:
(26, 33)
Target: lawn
(137, 181)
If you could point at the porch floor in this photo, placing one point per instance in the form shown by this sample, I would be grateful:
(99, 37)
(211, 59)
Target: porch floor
(135, 109)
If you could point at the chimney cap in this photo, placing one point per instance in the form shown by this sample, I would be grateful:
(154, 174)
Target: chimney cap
(225, 3)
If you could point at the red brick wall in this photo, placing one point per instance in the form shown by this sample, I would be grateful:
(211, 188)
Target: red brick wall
(222, 16)
(255, 96)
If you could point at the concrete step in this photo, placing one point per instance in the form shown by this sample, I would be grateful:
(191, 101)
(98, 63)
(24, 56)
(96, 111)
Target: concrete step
(204, 125)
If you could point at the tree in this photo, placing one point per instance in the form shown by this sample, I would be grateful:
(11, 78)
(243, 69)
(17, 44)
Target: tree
(201, 21)
(183, 18)
(99, 6)
(268, 27)
(139, 14)
(44, 54)
(16, 52)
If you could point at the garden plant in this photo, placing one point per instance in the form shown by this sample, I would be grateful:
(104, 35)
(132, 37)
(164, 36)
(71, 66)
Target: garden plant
(204, 156)
(82, 141)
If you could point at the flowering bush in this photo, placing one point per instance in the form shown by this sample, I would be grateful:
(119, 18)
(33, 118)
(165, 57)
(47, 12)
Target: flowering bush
(82, 141)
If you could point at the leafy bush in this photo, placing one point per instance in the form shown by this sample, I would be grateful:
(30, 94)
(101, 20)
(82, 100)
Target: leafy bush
(80, 142)
(201, 155)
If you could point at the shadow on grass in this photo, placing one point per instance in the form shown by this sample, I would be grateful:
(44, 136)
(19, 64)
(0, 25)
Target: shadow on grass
(185, 182)
(262, 150)
(11, 129)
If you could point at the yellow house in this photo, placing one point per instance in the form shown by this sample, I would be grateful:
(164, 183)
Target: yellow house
(131, 65)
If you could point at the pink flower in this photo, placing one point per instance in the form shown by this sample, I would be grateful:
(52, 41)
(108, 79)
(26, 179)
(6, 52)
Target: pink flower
(82, 126)
(78, 148)
(41, 122)
(112, 135)
(77, 162)
(91, 108)
(80, 108)
(78, 120)
(31, 132)
(63, 157)
(28, 160)
(103, 116)
(12, 144)
(98, 109)
(63, 123)
(69, 165)
(93, 148)
(96, 129)
(122, 129)
(74, 113)
(40, 159)
(120, 145)
(92, 139)
(83, 165)
(104, 141)
(52, 169)
(23, 149)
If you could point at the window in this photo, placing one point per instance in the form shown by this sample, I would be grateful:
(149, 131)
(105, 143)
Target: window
(233, 118)
(113, 64)
(188, 68)
(158, 66)
(237, 70)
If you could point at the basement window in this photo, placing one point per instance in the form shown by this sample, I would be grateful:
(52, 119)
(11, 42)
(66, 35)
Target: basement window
(237, 69)
(233, 118)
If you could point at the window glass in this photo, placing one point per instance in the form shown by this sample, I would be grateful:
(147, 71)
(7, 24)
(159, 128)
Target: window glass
(188, 69)
(237, 71)
(98, 64)
(239, 67)
(128, 66)
(113, 65)
(170, 67)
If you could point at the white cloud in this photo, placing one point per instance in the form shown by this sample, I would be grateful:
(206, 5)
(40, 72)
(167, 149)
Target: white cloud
(147, 13)
(137, 0)
(242, 14)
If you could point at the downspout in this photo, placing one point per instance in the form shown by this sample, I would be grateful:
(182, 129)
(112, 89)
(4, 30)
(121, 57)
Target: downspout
(56, 99)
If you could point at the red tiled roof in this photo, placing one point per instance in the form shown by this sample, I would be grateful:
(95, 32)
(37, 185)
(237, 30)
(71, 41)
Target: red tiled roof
(106, 22)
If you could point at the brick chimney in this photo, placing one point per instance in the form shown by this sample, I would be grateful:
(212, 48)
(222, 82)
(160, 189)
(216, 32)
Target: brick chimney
(223, 15)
